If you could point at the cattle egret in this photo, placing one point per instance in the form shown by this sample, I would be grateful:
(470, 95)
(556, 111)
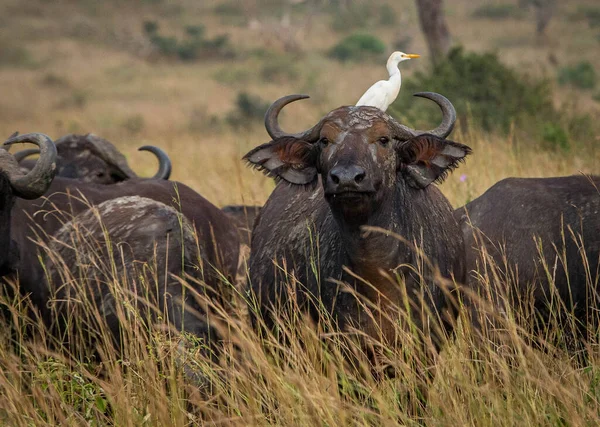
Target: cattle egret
(384, 92)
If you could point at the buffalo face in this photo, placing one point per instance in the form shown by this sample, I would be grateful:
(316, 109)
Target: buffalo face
(361, 154)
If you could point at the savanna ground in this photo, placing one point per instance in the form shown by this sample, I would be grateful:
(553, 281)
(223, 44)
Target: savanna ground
(84, 66)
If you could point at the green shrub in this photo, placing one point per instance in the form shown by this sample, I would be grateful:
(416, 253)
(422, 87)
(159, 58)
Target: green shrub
(555, 137)
(196, 31)
(498, 11)
(54, 80)
(358, 47)
(481, 87)
(590, 13)
(581, 75)
(166, 45)
(150, 27)
(14, 55)
(496, 98)
(249, 110)
(194, 46)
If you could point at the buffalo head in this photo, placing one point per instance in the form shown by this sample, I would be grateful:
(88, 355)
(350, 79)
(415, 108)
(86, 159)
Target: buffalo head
(362, 155)
(93, 159)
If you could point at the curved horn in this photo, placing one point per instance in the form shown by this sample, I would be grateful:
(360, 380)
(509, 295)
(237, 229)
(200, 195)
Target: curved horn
(109, 153)
(448, 114)
(272, 122)
(448, 117)
(164, 163)
(37, 181)
(20, 155)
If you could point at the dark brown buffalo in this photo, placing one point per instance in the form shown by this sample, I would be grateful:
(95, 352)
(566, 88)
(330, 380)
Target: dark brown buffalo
(15, 184)
(244, 217)
(93, 159)
(145, 247)
(218, 239)
(526, 223)
(357, 167)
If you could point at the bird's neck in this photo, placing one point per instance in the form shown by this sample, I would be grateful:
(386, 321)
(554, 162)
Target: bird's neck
(393, 69)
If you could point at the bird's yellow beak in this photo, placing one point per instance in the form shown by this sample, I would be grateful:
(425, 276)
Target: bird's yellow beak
(412, 55)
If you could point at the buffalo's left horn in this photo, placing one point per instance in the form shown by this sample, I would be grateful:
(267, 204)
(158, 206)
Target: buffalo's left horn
(164, 162)
(36, 182)
(448, 117)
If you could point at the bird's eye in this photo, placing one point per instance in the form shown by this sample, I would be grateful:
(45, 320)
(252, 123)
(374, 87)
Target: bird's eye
(324, 141)
(384, 141)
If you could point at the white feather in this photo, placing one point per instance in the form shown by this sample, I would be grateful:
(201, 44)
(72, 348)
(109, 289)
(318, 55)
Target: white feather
(384, 92)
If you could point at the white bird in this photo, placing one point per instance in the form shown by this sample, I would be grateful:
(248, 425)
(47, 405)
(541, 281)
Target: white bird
(384, 92)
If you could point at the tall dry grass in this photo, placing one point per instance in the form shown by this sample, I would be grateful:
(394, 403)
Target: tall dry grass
(498, 375)
(78, 74)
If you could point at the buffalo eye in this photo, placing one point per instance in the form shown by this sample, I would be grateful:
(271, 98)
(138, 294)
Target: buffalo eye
(324, 141)
(384, 141)
(100, 174)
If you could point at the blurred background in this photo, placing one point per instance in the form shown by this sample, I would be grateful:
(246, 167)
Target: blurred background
(196, 76)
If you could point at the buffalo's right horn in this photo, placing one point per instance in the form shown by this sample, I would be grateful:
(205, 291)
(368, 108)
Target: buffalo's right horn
(272, 122)
(164, 162)
(36, 182)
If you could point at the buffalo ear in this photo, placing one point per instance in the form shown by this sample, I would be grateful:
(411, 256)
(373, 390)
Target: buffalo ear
(428, 158)
(288, 158)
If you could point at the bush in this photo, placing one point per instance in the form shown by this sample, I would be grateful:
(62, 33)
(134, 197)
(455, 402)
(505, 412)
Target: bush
(497, 11)
(12, 54)
(479, 84)
(249, 110)
(496, 98)
(150, 27)
(54, 80)
(581, 75)
(358, 47)
(590, 13)
(194, 46)
(555, 137)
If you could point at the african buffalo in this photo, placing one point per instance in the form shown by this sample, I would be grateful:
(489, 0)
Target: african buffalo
(218, 239)
(244, 217)
(130, 249)
(94, 159)
(15, 184)
(543, 236)
(358, 167)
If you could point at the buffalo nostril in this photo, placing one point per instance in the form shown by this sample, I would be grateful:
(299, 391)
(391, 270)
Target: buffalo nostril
(359, 177)
(335, 178)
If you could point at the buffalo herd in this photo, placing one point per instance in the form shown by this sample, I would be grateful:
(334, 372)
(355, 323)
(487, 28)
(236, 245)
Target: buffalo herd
(355, 234)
